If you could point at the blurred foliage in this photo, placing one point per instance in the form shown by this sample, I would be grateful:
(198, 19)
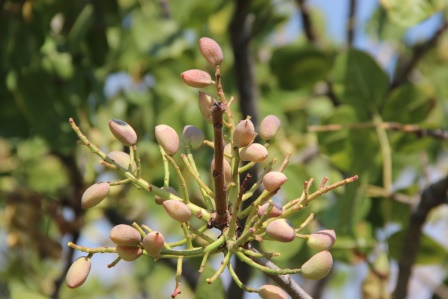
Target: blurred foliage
(97, 60)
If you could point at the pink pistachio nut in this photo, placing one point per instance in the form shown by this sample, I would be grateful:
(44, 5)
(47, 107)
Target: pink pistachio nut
(276, 210)
(129, 253)
(269, 291)
(206, 102)
(269, 127)
(244, 133)
(281, 230)
(153, 243)
(318, 266)
(78, 272)
(211, 51)
(322, 240)
(125, 235)
(177, 210)
(274, 180)
(123, 132)
(193, 136)
(254, 152)
(123, 159)
(167, 138)
(159, 200)
(227, 170)
(94, 195)
(196, 78)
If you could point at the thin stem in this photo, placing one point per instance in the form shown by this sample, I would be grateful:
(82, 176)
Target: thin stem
(187, 235)
(181, 178)
(139, 229)
(233, 222)
(255, 186)
(305, 223)
(238, 281)
(114, 262)
(178, 278)
(221, 268)
(204, 260)
(196, 176)
(92, 250)
(386, 154)
(166, 168)
(138, 162)
(265, 269)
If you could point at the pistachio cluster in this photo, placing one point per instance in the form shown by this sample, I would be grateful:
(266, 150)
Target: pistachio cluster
(233, 143)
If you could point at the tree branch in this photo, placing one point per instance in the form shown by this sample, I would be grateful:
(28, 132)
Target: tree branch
(351, 23)
(240, 35)
(222, 214)
(418, 52)
(433, 196)
(307, 24)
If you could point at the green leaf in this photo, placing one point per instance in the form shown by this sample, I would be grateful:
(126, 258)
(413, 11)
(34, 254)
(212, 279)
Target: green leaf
(360, 82)
(298, 67)
(409, 104)
(408, 13)
(205, 290)
(379, 26)
(81, 26)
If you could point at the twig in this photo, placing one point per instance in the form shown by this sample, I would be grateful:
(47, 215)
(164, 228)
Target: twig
(351, 23)
(394, 126)
(307, 24)
(433, 196)
(417, 54)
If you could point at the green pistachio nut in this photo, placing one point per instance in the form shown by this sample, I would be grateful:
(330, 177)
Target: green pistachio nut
(244, 133)
(123, 132)
(125, 235)
(281, 230)
(254, 152)
(167, 138)
(129, 253)
(273, 180)
(196, 78)
(269, 291)
(177, 210)
(211, 51)
(269, 127)
(94, 195)
(318, 266)
(193, 136)
(78, 272)
(153, 243)
(322, 240)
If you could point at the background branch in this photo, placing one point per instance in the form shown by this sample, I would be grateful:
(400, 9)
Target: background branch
(284, 281)
(240, 35)
(418, 52)
(351, 23)
(307, 24)
(433, 196)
